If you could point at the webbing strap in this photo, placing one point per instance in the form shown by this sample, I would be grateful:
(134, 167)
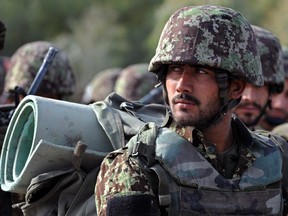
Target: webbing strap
(163, 186)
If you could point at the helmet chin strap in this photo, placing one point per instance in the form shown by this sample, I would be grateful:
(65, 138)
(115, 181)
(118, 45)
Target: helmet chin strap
(225, 103)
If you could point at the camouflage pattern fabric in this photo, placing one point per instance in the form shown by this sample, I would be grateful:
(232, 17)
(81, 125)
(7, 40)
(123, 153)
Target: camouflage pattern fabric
(102, 84)
(271, 55)
(281, 130)
(120, 173)
(2, 34)
(285, 57)
(134, 82)
(212, 194)
(211, 36)
(25, 63)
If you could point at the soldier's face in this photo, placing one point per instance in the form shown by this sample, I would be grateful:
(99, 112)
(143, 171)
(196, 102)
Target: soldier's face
(279, 105)
(253, 101)
(192, 94)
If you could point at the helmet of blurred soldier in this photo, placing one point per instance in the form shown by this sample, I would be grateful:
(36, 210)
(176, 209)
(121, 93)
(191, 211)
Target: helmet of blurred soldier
(271, 55)
(210, 36)
(59, 79)
(285, 58)
(135, 82)
(101, 85)
(2, 34)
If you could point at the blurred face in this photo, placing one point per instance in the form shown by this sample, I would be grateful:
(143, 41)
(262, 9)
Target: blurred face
(192, 94)
(252, 103)
(279, 107)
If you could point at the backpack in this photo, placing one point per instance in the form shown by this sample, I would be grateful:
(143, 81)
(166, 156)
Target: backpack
(70, 191)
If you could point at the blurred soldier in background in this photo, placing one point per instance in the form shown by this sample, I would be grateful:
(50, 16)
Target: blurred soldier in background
(278, 113)
(58, 82)
(4, 64)
(101, 85)
(5, 199)
(135, 82)
(255, 100)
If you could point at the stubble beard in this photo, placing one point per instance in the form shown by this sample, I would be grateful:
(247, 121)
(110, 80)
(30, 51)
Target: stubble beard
(183, 117)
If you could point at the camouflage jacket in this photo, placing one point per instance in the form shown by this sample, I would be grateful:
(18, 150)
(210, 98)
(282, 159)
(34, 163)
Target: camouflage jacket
(196, 183)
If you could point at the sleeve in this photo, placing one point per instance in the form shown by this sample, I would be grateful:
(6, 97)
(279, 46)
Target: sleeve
(122, 188)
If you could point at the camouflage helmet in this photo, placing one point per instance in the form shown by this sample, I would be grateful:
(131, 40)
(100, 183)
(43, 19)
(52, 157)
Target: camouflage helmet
(212, 36)
(271, 56)
(101, 85)
(25, 63)
(134, 82)
(2, 34)
(285, 59)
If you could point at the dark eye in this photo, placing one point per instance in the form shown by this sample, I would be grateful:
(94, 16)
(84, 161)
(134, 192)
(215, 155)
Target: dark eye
(200, 70)
(175, 68)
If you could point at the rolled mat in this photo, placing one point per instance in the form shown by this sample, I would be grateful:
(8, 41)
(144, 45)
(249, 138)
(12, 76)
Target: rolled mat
(41, 137)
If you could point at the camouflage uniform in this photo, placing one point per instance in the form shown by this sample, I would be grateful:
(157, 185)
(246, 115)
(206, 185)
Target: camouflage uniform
(200, 181)
(134, 82)
(101, 85)
(25, 63)
(281, 130)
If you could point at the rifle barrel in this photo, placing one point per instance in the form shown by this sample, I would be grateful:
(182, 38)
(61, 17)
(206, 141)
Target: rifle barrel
(42, 70)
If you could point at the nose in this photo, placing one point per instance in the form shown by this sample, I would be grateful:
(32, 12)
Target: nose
(279, 101)
(248, 94)
(184, 84)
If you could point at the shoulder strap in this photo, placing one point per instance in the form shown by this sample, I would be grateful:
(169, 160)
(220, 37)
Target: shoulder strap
(144, 149)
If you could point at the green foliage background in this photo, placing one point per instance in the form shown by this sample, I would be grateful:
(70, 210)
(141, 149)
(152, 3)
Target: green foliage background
(99, 34)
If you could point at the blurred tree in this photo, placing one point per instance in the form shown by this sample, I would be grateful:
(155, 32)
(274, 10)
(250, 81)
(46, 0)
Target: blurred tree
(110, 33)
(38, 20)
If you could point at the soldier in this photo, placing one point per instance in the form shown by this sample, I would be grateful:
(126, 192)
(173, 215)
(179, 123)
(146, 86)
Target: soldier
(5, 199)
(4, 65)
(58, 82)
(101, 85)
(256, 100)
(134, 83)
(207, 161)
(278, 113)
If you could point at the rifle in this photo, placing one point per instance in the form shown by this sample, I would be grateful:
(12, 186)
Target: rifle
(7, 110)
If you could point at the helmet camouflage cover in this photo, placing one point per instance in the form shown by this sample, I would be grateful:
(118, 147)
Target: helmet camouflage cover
(212, 36)
(101, 85)
(25, 63)
(271, 56)
(285, 58)
(134, 82)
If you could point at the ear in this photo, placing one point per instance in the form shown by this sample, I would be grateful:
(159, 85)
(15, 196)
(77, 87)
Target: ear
(236, 88)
